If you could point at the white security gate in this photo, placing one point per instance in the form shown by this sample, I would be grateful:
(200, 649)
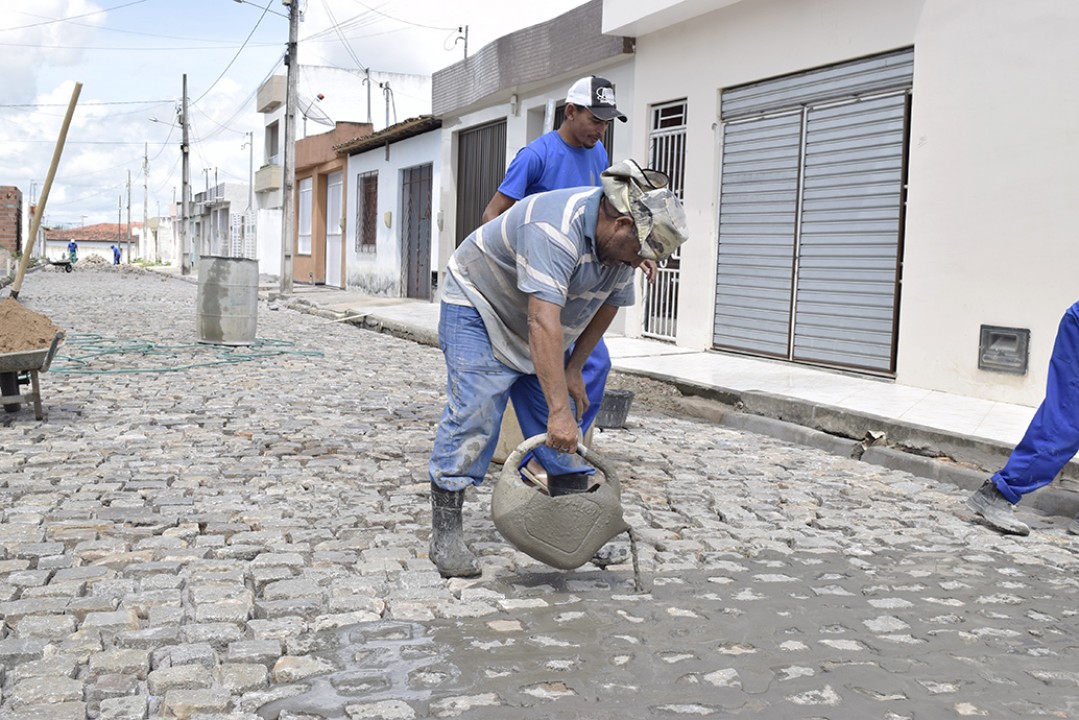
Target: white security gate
(667, 153)
(810, 220)
(335, 241)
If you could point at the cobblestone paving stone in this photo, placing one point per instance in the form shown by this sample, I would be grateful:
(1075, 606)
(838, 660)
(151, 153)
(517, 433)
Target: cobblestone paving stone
(197, 532)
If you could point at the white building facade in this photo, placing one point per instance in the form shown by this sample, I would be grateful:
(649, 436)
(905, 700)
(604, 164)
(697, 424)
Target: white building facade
(881, 186)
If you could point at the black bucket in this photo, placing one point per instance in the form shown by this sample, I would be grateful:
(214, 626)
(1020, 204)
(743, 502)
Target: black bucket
(614, 409)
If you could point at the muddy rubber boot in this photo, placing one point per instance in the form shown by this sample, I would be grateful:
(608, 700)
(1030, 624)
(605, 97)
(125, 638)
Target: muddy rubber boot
(448, 550)
(568, 484)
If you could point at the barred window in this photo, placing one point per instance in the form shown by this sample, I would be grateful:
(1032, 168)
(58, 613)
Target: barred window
(366, 209)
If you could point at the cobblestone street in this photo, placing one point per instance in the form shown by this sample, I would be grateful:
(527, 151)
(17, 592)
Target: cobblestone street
(204, 532)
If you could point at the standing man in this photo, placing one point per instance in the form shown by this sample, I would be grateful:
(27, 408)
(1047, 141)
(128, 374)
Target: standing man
(1051, 439)
(115, 255)
(72, 251)
(531, 293)
(571, 156)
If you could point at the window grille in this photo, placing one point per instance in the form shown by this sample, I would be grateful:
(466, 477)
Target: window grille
(366, 209)
(303, 246)
(666, 153)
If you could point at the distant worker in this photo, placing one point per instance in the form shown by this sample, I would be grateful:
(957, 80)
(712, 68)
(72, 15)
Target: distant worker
(73, 251)
(115, 255)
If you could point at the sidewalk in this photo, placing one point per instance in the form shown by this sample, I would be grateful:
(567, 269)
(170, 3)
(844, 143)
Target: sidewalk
(925, 432)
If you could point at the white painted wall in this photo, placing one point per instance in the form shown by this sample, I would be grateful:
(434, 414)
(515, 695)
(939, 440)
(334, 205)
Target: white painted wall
(379, 273)
(993, 178)
(994, 181)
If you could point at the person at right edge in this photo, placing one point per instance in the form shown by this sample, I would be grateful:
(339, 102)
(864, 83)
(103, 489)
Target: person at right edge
(1050, 441)
(571, 156)
(530, 293)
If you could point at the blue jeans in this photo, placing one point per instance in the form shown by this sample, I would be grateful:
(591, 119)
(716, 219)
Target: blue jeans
(478, 387)
(1052, 438)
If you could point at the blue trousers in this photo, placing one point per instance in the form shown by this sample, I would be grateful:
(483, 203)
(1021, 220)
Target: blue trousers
(478, 386)
(1052, 438)
(531, 407)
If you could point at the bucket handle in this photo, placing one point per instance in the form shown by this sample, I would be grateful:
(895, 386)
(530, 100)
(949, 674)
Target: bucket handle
(535, 441)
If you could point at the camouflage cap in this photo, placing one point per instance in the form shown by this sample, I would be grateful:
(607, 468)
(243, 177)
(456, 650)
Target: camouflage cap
(642, 193)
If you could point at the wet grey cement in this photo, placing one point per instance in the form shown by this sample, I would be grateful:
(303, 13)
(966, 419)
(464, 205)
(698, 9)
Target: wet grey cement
(198, 532)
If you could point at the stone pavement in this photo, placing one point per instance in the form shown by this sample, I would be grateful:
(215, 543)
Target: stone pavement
(198, 532)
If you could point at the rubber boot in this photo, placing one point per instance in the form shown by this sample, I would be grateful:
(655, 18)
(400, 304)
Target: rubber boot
(448, 550)
(568, 484)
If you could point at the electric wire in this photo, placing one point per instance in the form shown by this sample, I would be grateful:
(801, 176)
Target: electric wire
(234, 57)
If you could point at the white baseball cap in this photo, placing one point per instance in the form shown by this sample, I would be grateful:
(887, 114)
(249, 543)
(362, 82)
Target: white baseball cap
(596, 94)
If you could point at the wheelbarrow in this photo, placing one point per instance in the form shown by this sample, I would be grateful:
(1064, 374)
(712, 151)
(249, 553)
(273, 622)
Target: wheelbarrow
(67, 265)
(23, 368)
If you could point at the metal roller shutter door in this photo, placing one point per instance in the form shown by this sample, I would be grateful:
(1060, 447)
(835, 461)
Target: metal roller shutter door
(849, 243)
(810, 214)
(758, 208)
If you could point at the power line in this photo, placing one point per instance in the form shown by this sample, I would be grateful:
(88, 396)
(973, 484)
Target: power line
(73, 17)
(248, 38)
(86, 104)
(406, 22)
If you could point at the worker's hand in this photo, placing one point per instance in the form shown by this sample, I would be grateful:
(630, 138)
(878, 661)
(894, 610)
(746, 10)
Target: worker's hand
(562, 432)
(649, 267)
(577, 392)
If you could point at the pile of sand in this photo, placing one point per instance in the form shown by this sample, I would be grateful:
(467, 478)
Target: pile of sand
(22, 330)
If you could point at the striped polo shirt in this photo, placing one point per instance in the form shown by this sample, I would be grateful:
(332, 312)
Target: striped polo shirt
(544, 246)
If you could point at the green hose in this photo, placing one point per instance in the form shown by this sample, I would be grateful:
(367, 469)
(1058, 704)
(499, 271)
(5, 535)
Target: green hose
(83, 351)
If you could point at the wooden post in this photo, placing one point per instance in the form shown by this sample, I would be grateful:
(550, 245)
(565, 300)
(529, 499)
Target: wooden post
(35, 223)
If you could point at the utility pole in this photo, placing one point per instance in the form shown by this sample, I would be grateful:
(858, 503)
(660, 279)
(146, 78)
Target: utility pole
(185, 262)
(119, 218)
(128, 217)
(288, 220)
(145, 199)
(250, 170)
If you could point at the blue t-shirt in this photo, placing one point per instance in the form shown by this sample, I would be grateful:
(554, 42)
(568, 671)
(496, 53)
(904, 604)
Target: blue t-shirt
(548, 163)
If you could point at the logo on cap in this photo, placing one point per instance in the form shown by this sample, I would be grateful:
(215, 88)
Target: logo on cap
(605, 95)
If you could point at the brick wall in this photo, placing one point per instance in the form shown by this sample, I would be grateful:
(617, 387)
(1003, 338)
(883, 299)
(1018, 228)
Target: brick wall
(10, 218)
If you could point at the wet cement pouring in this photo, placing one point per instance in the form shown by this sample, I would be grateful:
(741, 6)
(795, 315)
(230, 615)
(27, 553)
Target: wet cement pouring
(759, 638)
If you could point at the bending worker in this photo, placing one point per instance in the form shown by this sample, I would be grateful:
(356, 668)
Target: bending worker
(571, 156)
(521, 291)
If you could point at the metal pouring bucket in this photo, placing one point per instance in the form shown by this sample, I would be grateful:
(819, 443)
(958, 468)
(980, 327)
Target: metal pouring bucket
(565, 531)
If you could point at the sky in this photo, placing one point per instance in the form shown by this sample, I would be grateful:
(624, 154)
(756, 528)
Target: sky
(130, 57)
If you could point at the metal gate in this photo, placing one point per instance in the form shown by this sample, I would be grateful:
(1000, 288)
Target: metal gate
(335, 236)
(810, 221)
(666, 152)
(481, 165)
(416, 231)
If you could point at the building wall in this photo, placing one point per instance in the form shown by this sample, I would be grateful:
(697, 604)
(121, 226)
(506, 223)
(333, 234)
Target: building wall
(993, 186)
(991, 211)
(380, 273)
(11, 220)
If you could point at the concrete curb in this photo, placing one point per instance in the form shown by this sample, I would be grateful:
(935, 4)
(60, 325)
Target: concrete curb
(873, 449)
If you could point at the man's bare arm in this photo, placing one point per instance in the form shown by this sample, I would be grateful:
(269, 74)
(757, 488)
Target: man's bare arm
(545, 343)
(499, 204)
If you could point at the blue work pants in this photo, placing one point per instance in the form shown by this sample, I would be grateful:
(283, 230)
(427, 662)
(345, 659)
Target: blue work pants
(1052, 438)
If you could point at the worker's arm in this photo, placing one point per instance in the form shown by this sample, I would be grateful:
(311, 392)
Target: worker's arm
(545, 343)
(499, 204)
(584, 346)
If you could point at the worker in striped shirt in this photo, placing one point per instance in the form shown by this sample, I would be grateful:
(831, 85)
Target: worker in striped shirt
(531, 293)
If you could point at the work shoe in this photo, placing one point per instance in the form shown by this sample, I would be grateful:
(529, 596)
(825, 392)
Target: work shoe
(448, 550)
(568, 484)
(996, 510)
(1073, 526)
